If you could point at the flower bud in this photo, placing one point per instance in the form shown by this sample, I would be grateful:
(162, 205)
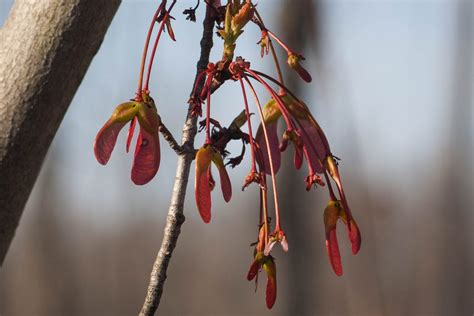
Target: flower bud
(294, 63)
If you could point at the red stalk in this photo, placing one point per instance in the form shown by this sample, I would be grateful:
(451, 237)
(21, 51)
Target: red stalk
(162, 25)
(331, 192)
(279, 41)
(247, 113)
(207, 88)
(272, 48)
(281, 106)
(275, 190)
(145, 50)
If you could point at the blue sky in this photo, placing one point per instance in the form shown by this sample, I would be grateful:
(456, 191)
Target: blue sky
(381, 92)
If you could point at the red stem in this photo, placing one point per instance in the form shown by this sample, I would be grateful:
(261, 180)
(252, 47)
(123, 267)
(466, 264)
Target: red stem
(207, 87)
(275, 190)
(265, 217)
(279, 41)
(198, 79)
(162, 25)
(275, 95)
(145, 50)
(208, 115)
(331, 191)
(272, 48)
(252, 147)
(282, 86)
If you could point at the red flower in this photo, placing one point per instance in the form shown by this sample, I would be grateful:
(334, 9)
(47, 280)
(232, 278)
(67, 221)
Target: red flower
(204, 183)
(147, 152)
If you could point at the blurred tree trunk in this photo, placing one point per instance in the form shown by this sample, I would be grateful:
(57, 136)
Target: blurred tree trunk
(456, 255)
(443, 278)
(45, 49)
(301, 34)
(46, 259)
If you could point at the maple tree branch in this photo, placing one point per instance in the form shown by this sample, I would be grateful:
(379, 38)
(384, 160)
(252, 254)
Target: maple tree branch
(175, 216)
(169, 138)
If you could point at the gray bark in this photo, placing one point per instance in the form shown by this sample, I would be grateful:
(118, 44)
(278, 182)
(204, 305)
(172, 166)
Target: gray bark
(45, 49)
(175, 212)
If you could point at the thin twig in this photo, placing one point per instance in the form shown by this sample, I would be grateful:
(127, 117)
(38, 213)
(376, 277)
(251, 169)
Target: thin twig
(168, 136)
(175, 213)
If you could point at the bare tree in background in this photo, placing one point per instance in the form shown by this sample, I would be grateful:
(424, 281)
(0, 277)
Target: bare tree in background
(45, 50)
(301, 33)
(456, 236)
(306, 34)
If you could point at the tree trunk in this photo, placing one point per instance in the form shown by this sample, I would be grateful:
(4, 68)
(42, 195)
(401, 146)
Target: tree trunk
(45, 49)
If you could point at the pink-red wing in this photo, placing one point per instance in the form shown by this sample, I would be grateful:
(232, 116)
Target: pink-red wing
(147, 157)
(226, 186)
(131, 130)
(298, 159)
(170, 29)
(272, 131)
(304, 74)
(203, 193)
(271, 292)
(253, 270)
(333, 251)
(315, 144)
(354, 236)
(105, 141)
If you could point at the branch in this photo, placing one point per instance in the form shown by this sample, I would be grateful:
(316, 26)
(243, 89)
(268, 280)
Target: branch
(45, 50)
(175, 213)
(168, 136)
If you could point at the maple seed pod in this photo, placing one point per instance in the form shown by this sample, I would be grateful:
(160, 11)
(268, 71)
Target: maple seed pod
(331, 216)
(203, 184)
(271, 291)
(294, 63)
(147, 152)
(107, 136)
(333, 212)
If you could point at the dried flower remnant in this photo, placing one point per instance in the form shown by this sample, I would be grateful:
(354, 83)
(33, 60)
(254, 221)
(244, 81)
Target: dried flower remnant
(267, 262)
(265, 143)
(264, 43)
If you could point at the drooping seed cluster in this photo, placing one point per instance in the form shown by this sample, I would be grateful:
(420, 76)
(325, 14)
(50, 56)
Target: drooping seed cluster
(266, 145)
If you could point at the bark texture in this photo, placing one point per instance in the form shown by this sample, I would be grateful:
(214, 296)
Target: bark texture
(175, 213)
(45, 49)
